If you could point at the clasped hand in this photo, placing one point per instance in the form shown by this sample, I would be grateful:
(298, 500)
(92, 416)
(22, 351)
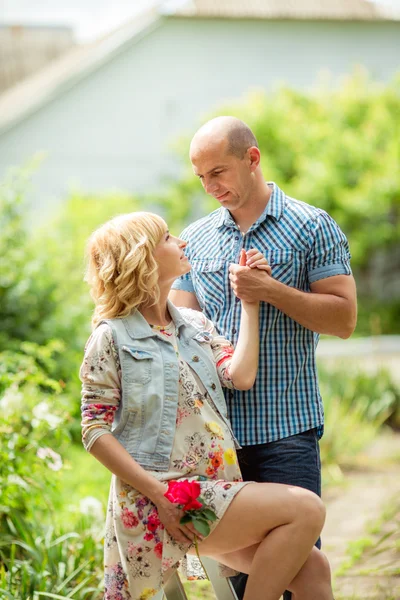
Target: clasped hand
(250, 276)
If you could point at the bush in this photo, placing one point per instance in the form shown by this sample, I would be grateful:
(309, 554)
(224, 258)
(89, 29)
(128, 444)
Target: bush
(356, 406)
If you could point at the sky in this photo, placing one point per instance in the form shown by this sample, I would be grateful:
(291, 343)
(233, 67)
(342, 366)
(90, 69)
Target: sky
(88, 18)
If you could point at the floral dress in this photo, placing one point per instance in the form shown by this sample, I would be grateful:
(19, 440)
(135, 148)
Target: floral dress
(138, 551)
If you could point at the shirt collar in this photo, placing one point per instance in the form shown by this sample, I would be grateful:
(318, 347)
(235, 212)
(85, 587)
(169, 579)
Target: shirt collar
(273, 209)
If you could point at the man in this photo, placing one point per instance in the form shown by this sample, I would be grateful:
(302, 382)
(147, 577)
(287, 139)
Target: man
(310, 291)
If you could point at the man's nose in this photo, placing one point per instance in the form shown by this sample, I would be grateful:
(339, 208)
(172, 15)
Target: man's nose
(182, 243)
(210, 186)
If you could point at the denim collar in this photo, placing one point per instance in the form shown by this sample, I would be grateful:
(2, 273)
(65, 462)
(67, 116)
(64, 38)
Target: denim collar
(138, 328)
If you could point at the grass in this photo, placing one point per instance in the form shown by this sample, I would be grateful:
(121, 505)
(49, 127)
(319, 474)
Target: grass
(374, 559)
(83, 476)
(199, 590)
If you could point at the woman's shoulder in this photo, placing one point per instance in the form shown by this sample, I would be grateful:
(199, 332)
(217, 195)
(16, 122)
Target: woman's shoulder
(196, 318)
(100, 337)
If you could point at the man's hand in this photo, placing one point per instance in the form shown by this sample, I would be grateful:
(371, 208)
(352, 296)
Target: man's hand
(249, 278)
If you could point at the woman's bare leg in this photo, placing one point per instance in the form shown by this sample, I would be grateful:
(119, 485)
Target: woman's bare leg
(275, 517)
(312, 581)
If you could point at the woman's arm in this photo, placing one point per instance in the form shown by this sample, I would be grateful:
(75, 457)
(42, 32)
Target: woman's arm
(244, 363)
(101, 392)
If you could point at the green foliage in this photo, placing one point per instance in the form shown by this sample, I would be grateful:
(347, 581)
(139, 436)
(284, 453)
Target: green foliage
(37, 563)
(356, 405)
(37, 553)
(377, 553)
(26, 297)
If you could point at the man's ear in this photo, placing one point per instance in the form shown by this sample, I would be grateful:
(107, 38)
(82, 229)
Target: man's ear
(254, 157)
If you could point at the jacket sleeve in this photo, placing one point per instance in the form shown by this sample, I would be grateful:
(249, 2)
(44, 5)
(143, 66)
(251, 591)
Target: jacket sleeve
(100, 374)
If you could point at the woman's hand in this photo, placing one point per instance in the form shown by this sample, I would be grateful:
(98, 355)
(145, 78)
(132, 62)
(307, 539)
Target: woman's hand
(170, 516)
(256, 259)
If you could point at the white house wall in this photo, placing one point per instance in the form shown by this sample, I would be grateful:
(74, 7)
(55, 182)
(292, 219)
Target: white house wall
(113, 128)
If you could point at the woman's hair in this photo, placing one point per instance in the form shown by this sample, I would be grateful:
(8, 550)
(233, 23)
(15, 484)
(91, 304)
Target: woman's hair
(121, 269)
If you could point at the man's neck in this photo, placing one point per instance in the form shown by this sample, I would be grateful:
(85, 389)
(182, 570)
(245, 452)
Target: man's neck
(245, 217)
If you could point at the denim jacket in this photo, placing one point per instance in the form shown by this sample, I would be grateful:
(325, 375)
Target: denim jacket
(145, 421)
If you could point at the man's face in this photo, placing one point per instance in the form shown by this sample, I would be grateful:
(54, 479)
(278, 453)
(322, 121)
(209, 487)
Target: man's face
(224, 176)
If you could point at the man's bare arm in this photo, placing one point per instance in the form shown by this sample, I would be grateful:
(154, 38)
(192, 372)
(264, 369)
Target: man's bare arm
(330, 307)
(182, 298)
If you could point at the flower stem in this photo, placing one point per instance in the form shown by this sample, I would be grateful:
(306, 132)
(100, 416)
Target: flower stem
(198, 556)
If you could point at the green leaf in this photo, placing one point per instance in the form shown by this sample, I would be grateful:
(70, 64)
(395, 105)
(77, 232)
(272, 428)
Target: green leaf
(202, 526)
(209, 514)
(187, 518)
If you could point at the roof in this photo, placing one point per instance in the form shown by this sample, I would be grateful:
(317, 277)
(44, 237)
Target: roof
(332, 10)
(63, 73)
(29, 95)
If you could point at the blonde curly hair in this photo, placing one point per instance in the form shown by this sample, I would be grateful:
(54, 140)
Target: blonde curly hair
(121, 269)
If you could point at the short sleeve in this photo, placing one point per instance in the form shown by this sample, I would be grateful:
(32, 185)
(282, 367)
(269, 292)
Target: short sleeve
(329, 254)
(184, 283)
(101, 385)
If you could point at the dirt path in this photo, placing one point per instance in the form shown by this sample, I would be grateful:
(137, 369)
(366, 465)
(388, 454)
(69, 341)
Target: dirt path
(369, 491)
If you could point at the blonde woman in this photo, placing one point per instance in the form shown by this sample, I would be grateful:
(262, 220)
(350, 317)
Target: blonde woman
(153, 411)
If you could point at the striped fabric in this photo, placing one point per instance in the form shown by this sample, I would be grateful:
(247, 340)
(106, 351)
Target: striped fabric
(302, 244)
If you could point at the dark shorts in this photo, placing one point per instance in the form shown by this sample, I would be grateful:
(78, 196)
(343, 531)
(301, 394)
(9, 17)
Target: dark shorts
(294, 460)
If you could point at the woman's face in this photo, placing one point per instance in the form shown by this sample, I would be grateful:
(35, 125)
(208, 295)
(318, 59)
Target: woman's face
(171, 260)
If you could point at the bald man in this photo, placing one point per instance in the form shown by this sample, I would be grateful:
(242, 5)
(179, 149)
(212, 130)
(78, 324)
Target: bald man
(310, 291)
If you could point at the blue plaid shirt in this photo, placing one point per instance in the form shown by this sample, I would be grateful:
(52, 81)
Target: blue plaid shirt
(302, 244)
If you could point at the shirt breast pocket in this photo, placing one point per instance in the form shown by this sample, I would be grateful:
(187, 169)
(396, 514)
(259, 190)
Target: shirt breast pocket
(282, 265)
(136, 365)
(210, 281)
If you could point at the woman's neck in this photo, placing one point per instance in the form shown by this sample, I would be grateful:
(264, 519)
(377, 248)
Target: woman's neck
(158, 314)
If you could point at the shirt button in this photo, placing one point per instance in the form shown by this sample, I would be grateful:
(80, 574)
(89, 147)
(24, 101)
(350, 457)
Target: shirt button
(213, 386)
(195, 358)
(234, 330)
(236, 237)
(237, 299)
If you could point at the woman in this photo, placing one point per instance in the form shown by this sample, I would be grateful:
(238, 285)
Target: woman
(153, 411)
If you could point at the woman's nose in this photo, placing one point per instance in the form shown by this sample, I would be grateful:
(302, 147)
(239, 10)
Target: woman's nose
(182, 243)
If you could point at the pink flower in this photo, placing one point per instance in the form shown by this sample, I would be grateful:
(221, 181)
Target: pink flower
(158, 549)
(184, 493)
(153, 522)
(129, 519)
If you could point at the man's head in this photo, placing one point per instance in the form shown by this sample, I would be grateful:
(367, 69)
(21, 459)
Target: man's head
(225, 156)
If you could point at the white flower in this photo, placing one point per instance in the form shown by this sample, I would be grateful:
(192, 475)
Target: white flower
(41, 413)
(91, 507)
(55, 463)
(12, 401)
(17, 480)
